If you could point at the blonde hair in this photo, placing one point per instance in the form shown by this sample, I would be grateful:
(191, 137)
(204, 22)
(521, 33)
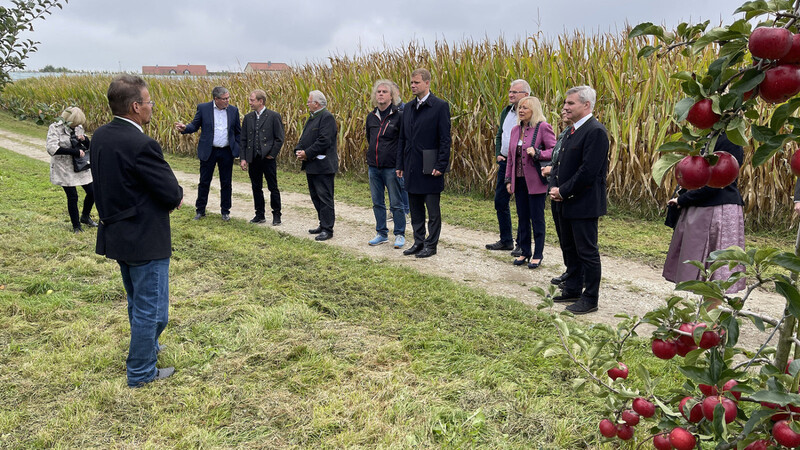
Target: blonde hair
(73, 117)
(535, 106)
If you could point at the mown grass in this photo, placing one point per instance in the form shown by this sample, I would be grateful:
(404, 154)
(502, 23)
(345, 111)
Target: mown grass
(278, 342)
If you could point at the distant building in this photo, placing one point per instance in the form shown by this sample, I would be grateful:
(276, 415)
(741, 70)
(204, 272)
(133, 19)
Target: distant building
(187, 69)
(268, 66)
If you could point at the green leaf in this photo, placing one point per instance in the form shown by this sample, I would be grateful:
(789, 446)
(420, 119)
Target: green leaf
(713, 35)
(643, 374)
(696, 374)
(762, 133)
(789, 292)
(781, 398)
(787, 260)
(646, 29)
(702, 288)
(682, 107)
(732, 326)
(764, 153)
(683, 75)
(677, 146)
(782, 113)
(578, 383)
(647, 50)
(736, 133)
(749, 80)
(663, 165)
(757, 418)
(758, 323)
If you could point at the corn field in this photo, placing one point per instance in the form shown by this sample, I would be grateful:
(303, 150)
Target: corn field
(635, 100)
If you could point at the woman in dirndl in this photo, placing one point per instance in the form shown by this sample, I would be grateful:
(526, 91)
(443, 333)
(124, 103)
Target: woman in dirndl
(710, 219)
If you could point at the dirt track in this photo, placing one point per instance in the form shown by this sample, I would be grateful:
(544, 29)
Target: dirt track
(627, 286)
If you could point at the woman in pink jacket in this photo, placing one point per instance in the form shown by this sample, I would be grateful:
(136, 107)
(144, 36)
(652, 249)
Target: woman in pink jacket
(531, 144)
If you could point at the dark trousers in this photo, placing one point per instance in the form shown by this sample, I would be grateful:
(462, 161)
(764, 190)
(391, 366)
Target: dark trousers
(583, 256)
(321, 189)
(418, 204)
(501, 201)
(263, 168)
(72, 202)
(530, 210)
(555, 208)
(222, 157)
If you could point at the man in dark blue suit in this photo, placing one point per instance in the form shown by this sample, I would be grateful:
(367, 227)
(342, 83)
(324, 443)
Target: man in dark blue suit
(578, 182)
(218, 146)
(423, 156)
(135, 191)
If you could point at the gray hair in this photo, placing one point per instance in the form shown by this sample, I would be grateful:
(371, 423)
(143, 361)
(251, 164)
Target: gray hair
(393, 90)
(319, 97)
(218, 92)
(585, 94)
(525, 86)
(73, 117)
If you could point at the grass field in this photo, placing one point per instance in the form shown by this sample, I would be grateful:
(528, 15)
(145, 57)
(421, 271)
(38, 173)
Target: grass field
(278, 343)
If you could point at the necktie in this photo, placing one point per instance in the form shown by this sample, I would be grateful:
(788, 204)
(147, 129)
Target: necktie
(571, 130)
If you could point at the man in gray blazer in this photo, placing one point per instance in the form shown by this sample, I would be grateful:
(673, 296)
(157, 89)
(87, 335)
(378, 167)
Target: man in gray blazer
(317, 150)
(262, 139)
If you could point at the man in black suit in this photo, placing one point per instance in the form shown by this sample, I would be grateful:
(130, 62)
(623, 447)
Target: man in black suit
(135, 191)
(219, 141)
(425, 136)
(579, 183)
(317, 150)
(262, 139)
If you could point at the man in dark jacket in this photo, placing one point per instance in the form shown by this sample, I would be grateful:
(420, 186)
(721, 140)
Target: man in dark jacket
(383, 126)
(317, 150)
(423, 158)
(219, 142)
(262, 139)
(135, 191)
(579, 183)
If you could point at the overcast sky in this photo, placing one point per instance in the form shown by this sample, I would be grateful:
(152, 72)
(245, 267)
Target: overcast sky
(112, 35)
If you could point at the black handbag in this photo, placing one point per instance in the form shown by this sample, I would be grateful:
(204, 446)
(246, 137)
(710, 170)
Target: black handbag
(79, 163)
(537, 162)
(673, 213)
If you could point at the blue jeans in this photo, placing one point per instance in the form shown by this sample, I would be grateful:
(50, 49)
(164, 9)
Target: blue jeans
(501, 200)
(147, 286)
(381, 180)
(403, 195)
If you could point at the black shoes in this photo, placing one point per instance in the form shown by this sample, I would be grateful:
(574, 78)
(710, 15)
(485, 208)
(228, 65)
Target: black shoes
(414, 249)
(317, 230)
(276, 220)
(559, 279)
(499, 245)
(566, 297)
(323, 236)
(199, 216)
(87, 220)
(77, 229)
(226, 217)
(426, 252)
(258, 219)
(535, 265)
(517, 251)
(162, 373)
(519, 262)
(582, 307)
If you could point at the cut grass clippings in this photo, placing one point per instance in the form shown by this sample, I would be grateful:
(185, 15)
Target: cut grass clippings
(278, 342)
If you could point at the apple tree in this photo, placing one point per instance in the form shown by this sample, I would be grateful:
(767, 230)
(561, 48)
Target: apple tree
(14, 20)
(729, 395)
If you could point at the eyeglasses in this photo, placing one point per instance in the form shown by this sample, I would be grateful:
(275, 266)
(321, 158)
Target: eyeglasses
(225, 99)
(517, 92)
(151, 103)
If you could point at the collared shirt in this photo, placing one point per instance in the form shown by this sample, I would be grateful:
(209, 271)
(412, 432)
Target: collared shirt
(582, 121)
(129, 120)
(422, 100)
(220, 127)
(508, 124)
(260, 112)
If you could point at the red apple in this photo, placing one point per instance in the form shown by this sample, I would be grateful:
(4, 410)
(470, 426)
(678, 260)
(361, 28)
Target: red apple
(701, 115)
(761, 444)
(695, 415)
(794, 52)
(728, 386)
(607, 428)
(645, 408)
(783, 415)
(780, 83)
(770, 43)
(692, 172)
(724, 172)
(708, 390)
(683, 349)
(664, 349)
(709, 339)
(621, 371)
(784, 435)
(687, 328)
(794, 163)
(661, 442)
(711, 402)
(630, 417)
(682, 439)
(624, 432)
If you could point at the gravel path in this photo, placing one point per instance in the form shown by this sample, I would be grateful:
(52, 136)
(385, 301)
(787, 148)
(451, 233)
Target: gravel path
(627, 286)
